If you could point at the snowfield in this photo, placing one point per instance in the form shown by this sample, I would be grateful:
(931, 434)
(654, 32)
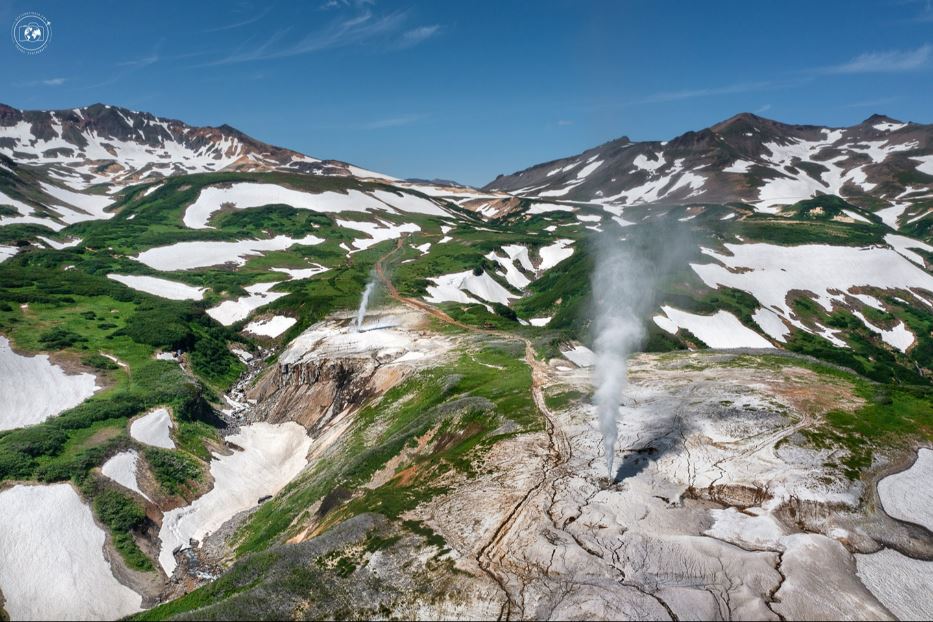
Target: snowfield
(60, 245)
(720, 330)
(908, 495)
(32, 389)
(770, 272)
(903, 245)
(272, 327)
(7, 251)
(467, 288)
(90, 206)
(297, 274)
(898, 337)
(121, 468)
(377, 231)
(231, 311)
(173, 290)
(410, 203)
(513, 275)
(271, 456)
(555, 253)
(245, 195)
(788, 187)
(902, 584)
(188, 255)
(771, 324)
(154, 429)
(581, 356)
(52, 564)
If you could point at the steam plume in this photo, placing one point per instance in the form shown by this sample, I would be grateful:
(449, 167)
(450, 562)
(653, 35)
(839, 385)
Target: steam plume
(624, 290)
(364, 302)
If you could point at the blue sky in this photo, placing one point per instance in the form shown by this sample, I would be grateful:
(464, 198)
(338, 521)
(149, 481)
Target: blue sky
(467, 90)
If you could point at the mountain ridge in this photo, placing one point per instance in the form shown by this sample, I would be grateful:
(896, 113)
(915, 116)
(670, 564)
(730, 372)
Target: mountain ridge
(744, 158)
(140, 145)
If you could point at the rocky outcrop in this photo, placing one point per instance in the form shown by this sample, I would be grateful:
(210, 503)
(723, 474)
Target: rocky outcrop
(312, 392)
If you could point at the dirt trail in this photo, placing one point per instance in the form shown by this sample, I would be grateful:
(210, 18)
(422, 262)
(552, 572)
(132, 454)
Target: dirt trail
(491, 556)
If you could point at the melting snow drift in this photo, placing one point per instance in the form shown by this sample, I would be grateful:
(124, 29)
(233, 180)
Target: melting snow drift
(52, 564)
(154, 429)
(33, 389)
(271, 456)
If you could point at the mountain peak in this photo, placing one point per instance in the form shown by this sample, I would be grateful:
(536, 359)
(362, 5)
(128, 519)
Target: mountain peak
(741, 119)
(879, 118)
(744, 158)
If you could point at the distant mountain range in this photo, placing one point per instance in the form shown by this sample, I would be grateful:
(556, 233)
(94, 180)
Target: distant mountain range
(108, 144)
(881, 165)
(878, 163)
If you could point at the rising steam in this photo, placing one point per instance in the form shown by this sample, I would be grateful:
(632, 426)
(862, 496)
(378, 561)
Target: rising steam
(364, 302)
(624, 291)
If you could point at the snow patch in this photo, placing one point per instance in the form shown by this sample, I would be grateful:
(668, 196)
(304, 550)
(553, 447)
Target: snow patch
(908, 495)
(121, 468)
(554, 254)
(172, 290)
(720, 330)
(52, 564)
(902, 584)
(188, 255)
(231, 311)
(154, 429)
(903, 244)
(272, 327)
(270, 457)
(581, 356)
(34, 389)
(467, 288)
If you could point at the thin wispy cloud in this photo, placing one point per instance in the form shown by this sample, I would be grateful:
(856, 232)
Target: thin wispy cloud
(872, 103)
(564, 122)
(413, 37)
(137, 63)
(398, 121)
(241, 23)
(926, 14)
(728, 89)
(891, 61)
(47, 82)
(762, 109)
(363, 27)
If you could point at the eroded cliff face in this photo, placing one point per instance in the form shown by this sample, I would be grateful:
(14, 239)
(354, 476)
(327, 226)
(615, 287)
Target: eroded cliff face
(313, 392)
(334, 367)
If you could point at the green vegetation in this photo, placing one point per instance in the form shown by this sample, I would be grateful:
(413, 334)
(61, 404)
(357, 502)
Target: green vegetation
(236, 580)
(892, 415)
(175, 472)
(122, 515)
(560, 401)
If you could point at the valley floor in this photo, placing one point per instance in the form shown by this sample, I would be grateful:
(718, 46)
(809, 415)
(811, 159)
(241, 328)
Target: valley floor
(719, 506)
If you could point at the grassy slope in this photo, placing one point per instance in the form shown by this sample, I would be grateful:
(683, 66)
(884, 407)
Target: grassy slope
(480, 397)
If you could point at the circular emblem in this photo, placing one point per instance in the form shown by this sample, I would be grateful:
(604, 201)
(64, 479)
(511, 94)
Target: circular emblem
(31, 33)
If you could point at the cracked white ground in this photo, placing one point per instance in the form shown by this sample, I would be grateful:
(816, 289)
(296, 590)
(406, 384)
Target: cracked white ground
(718, 509)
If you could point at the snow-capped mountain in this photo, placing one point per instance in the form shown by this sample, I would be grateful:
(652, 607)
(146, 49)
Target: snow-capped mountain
(103, 144)
(879, 163)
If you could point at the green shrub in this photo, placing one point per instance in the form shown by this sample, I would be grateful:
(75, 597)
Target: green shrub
(99, 361)
(173, 470)
(59, 339)
(118, 511)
